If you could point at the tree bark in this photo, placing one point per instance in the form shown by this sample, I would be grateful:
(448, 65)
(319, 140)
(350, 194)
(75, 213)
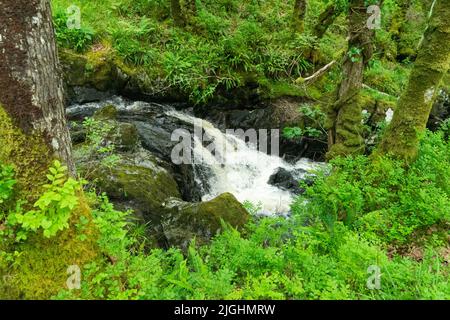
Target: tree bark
(325, 20)
(299, 15)
(401, 139)
(33, 130)
(397, 30)
(344, 116)
(177, 15)
(191, 8)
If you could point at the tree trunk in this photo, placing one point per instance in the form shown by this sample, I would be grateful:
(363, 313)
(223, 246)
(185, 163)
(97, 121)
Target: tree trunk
(33, 133)
(33, 130)
(325, 20)
(344, 116)
(299, 15)
(191, 8)
(397, 30)
(177, 15)
(413, 110)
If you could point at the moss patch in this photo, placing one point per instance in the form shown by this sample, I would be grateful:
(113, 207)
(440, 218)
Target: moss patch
(183, 221)
(29, 155)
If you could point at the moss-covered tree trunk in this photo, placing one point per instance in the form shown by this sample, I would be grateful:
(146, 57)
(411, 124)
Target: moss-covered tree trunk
(299, 13)
(410, 118)
(326, 19)
(33, 128)
(344, 117)
(191, 9)
(177, 15)
(33, 133)
(398, 28)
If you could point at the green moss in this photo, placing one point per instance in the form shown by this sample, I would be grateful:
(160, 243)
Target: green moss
(27, 153)
(377, 104)
(184, 221)
(279, 89)
(348, 128)
(147, 187)
(108, 112)
(40, 269)
(409, 122)
(93, 69)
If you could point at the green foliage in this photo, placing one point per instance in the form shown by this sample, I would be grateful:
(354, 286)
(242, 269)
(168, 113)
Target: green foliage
(7, 183)
(315, 116)
(278, 259)
(381, 198)
(311, 255)
(362, 214)
(53, 208)
(387, 77)
(216, 51)
(99, 145)
(78, 39)
(354, 54)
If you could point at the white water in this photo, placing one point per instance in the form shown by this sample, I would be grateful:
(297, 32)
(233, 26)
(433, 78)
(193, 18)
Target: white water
(244, 171)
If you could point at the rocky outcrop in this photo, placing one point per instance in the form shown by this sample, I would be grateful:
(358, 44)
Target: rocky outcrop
(146, 182)
(182, 221)
(275, 114)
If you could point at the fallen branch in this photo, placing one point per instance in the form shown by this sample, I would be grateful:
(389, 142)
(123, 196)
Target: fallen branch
(365, 86)
(316, 75)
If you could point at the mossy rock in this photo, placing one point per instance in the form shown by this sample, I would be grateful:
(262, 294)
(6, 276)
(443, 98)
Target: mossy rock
(108, 112)
(94, 69)
(123, 135)
(128, 137)
(184, 221)
(138, 183)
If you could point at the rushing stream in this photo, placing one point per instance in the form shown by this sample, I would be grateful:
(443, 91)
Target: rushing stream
(245, 172)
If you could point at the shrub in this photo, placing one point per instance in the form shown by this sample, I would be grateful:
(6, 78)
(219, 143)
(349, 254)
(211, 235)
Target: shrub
(382, 198)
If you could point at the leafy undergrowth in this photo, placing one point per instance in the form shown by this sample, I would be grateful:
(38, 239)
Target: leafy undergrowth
(373, 229)
(225, 44)
(346, 242)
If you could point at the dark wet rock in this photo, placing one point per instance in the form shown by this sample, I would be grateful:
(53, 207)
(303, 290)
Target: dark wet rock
(140, 183)
(277, 114)
(124, 136)
(286, 180)
(182, 221)
(127, 138)
(87, 94)
(148, 125)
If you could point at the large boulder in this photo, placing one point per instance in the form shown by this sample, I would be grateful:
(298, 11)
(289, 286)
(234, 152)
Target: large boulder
(182, 221)
(137, 182)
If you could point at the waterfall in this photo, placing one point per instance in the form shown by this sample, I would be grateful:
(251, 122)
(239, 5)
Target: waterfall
(244, 171)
